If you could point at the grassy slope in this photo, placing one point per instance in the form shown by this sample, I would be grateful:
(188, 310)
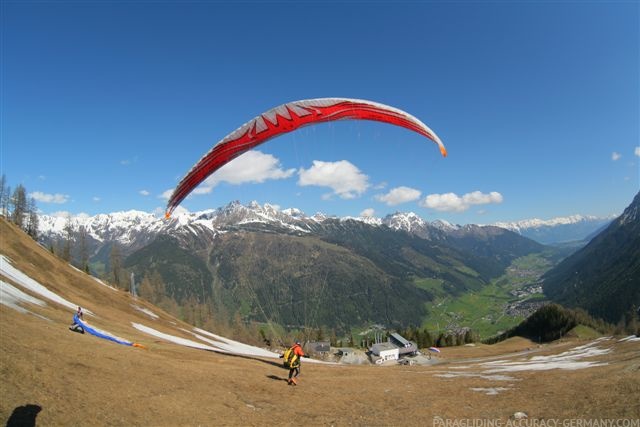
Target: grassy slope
(82, 380)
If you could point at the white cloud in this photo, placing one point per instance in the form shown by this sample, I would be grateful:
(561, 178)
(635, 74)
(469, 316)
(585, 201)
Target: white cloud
(128, 162)
(451, 202)
(636, 151)
(399, 195)
(50, 198)
(345, 179)
(615, 156)
(252, 166)
(61, 214)
(478, 198)
(179, 210)
(380, 186)
(144, 192)
(368, 213)
(96, 199)
(166, 194)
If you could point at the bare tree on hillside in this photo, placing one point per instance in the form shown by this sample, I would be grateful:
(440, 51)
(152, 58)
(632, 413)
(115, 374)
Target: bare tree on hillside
(152, 288)
(32, 219)
(5, 191)
(116, 264)
(19, 202)
(84, 250)
(68, 236)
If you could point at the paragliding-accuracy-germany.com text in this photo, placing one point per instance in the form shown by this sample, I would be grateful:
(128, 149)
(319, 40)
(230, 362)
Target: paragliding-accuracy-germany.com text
(531, 422)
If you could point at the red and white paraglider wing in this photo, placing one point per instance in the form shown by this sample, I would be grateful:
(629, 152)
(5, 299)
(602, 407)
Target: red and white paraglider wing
(286, 118)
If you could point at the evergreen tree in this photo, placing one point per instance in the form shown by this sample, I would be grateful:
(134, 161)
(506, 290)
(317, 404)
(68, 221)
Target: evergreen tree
(426, 339)
(263, 337)
(631, 323)
(469, 337)
(333, 338)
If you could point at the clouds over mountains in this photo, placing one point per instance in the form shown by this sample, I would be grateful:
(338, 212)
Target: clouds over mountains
(451, 202)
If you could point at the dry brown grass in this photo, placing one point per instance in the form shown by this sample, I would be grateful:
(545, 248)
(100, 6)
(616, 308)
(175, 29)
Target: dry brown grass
(82, 380)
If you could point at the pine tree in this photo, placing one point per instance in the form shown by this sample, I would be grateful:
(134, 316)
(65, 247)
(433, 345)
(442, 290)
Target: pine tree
(333, 338)
(427, 339)
(468, 337)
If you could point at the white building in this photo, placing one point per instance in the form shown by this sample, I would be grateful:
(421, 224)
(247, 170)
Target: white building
(405, 347)
(384, 351)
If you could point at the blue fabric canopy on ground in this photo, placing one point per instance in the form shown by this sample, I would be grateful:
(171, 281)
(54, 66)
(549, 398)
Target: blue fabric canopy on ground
(99, 334)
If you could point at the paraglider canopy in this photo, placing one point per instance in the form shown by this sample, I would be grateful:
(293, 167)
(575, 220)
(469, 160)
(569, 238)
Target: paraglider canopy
(286, 118)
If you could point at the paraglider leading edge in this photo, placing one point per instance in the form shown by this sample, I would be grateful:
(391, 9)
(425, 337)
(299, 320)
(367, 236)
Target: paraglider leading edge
(286, 118)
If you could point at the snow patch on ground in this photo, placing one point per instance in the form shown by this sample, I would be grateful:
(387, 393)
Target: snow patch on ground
(490, 391)
(495, 370)
(630, 338)
(18, 277)
(176, 340)
(475, 375)
(233, 346)
(212, 342)
(11, 296)
(568, 360)
(103, 284)
(145, 311)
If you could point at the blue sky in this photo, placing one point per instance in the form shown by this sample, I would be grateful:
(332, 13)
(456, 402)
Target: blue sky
(106, 105)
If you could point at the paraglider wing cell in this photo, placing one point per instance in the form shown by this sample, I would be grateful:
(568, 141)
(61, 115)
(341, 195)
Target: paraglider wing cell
(286, 118)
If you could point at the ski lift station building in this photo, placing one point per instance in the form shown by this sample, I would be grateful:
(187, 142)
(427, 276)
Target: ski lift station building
(384, 351)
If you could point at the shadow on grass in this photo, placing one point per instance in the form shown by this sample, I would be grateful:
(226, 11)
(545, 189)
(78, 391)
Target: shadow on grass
(24, 416)
(277, 378)
(248, 357)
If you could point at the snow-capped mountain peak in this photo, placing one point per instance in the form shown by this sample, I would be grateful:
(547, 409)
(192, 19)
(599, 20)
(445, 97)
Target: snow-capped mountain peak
(557, 230)
(537, 223)
(127, 227)
(408, 221)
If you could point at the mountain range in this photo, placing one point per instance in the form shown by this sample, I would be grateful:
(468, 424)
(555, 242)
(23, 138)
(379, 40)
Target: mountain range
(283, 266)
(604, 276)
(561, 230)
(129, 228)
(296, 270)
